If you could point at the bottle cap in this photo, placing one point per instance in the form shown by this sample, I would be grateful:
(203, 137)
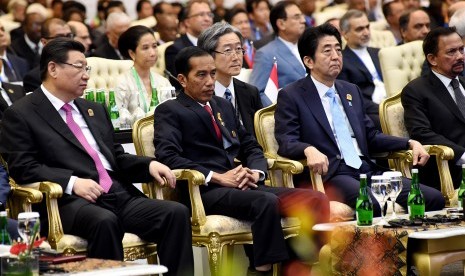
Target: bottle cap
(414, 170)
(362, 175)
(3, 214)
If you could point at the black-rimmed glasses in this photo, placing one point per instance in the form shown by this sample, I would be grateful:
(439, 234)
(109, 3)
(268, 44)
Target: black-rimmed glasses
(70, 35)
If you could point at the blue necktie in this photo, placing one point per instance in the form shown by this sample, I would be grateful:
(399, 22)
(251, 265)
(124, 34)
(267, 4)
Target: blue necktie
(228, 95)
(351, 157)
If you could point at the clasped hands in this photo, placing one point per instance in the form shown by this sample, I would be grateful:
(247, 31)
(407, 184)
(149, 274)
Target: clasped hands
(240, 177)
(318, 162)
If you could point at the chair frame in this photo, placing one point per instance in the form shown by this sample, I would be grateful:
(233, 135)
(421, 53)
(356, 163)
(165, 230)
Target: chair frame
(217, 243)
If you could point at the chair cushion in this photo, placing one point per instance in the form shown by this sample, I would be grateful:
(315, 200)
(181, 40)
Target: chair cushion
(226, 225)
(79, 244)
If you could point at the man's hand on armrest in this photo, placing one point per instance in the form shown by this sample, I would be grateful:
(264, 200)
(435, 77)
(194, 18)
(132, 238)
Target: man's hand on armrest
(420, 156)
(158, 171)
(316, 161)
(87, 189)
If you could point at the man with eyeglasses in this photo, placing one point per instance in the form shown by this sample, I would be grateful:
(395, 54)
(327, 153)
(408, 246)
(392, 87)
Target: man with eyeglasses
(81, 34)
(197, 16)
(52, 28)
(288, 23)
(224, 42)
(53, 134)
(116, 24)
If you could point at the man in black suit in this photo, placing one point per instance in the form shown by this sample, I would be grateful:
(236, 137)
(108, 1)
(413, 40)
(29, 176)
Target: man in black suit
(116, 24)
(201, 131)
(224, 43)
(197, 16)
(53, 134)
(10, 93)
(434, 104)
(12, 67)
(361, 63)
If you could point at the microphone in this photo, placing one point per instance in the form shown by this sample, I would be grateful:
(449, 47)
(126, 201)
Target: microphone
(168, 73)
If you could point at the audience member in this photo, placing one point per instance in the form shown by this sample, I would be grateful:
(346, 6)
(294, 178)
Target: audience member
(322, 119)
(414, 25)
(13, 67)
(167, 28)
(361, 63)
(259, 15)
(236, 191)
(288, 23)
(411, 4)
(5, 188)
(99, 202)
(197, 17)
(140, 86)
(392, 11)
(308, 8)
(74, 11)
(224, 43)
(81, 34)
(51, 29)
(220, 11)
(16, 11)
(144, 9)
(116, 24)
(57, 8)
(434, 103)
(237, 17)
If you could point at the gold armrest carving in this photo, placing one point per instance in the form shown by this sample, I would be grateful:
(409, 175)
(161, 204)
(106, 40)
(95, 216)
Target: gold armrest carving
(286, 167)
(22, 198)
(52, 192)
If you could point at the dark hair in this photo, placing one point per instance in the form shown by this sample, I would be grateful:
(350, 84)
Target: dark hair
(182, 62)
(45, 31)
(431, 41)
(140, 3)
(386, 8)
(308, 42)
(229, 16)
(279, 12)
(74, 4)
(251, 4)
(69, 12)
(187, 10)
(157, 8)
(404, 19)
(57, 51)
(112, 4)
(130, 39)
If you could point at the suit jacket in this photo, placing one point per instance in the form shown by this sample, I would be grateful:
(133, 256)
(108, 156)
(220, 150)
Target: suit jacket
(248, 102)
(185, 137)
(289, 68)
(23, 50)
(105, 50)
(4, 186)
(31, 80)
(171, 52)
(14, 92)
(38, 144)
(300, 122)
(19, 65)
(432, 116)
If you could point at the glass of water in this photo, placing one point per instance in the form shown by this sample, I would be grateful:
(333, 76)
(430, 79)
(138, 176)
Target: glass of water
(26, 223)
(396, 187)
(381, 189)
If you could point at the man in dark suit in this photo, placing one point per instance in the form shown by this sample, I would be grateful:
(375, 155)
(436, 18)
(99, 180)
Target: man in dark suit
(197, 16)
(5, 188)
(116, 24)
(53, 134)
(224, 43)
(10, 93)
(13, 68)
(434, 108)
(201, 131)
(361, 63)
(332, 131)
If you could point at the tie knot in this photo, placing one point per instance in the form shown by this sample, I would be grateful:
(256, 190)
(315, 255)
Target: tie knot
(330, 93)
(227, 94)
(454, 83)
(208, 109)
(67, 108)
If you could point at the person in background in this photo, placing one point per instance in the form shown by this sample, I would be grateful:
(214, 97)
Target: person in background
(57, 8)
(144, 9)
(392, 10)
(414, 25)
(5, 189)
(116, 24)
(238, 18)
(81, 34)
(259, 16)
(140, 86)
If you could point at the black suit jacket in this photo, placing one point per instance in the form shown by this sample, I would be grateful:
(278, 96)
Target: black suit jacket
(31, 80)
(432, 117)
(19, 65)
(247, 103)
(14, 92)
(23, 50)
(105, 50)
(38, 146)
(185, 138)
(170, 55)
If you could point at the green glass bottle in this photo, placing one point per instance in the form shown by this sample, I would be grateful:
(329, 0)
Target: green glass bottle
(462, 188)
(154, 100)
(364, 205)
(100, 96)
(89, 94)
(416, 200)
(113, 109)
(4, 236)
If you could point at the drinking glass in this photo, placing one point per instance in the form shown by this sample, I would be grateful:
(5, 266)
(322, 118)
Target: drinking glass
(381, 188)
(396, 187)
(26, 222)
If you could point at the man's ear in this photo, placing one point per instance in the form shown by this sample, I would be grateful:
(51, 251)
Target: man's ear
(182, 80)
(432, 60)
(52, 69)
(308, 61)
(280, 24)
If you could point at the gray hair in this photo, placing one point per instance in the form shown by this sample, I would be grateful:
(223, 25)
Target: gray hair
(208, 39)
(458, 21)
(344, 21)
(117, 18)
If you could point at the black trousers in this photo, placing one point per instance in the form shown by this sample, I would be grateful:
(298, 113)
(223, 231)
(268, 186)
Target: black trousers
(265, 206)
(166, 223)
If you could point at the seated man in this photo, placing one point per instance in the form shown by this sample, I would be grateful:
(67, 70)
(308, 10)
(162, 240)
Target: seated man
(201, 131)
(323, 120)
(53, 134)
(434, 103)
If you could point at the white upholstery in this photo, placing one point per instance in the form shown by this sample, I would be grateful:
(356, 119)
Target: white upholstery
(80, 245)
(244, 75)
(160, 66)
(336, 11)
(382, 38)
(147, 22)
(105, 72)
(400, 65)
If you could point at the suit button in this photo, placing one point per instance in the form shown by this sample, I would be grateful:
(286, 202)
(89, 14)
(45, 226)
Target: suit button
(338, 157)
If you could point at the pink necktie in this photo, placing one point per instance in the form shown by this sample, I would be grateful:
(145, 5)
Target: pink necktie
(215, 126)
(104, 178)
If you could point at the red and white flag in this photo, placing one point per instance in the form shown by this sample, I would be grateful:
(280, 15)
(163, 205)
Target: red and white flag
(271, 89)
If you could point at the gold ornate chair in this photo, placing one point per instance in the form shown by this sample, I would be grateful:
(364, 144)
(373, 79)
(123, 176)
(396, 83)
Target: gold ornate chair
(391, 114)
(217, 233)
(105, 72)
(400, 64)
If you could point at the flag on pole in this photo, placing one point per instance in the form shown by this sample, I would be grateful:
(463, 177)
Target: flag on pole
(271, 89)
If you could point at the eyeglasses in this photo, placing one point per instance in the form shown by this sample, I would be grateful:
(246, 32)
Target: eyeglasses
(80, 66)
(70, 35)
(295, 16)
(202, 14)
(229, 52)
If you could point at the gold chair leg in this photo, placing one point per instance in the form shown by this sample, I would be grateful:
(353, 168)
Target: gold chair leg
(153, 259)
(214, 254)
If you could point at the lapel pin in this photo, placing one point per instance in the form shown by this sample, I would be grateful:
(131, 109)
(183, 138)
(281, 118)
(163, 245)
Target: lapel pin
(91, 112)
(218, 115)
(349, 98)
(10, 91)
(233, 134)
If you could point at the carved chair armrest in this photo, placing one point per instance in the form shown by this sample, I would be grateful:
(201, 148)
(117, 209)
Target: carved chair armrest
(52, 192)
(443, 155)
(21, 199)
(317, 181)
(286, 167)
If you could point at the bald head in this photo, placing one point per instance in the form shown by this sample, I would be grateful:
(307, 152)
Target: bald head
(81, 33)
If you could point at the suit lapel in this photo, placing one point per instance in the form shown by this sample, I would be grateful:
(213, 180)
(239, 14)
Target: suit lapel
(285, 55)
(374, 57)
(356, 61)
(443, 95)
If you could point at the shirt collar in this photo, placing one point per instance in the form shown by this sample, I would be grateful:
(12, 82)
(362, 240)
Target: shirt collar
(192, 38)
(220, 89)
(31, 44)
(290, 45)
(445, 80)
(321, 88)
(57, 103)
